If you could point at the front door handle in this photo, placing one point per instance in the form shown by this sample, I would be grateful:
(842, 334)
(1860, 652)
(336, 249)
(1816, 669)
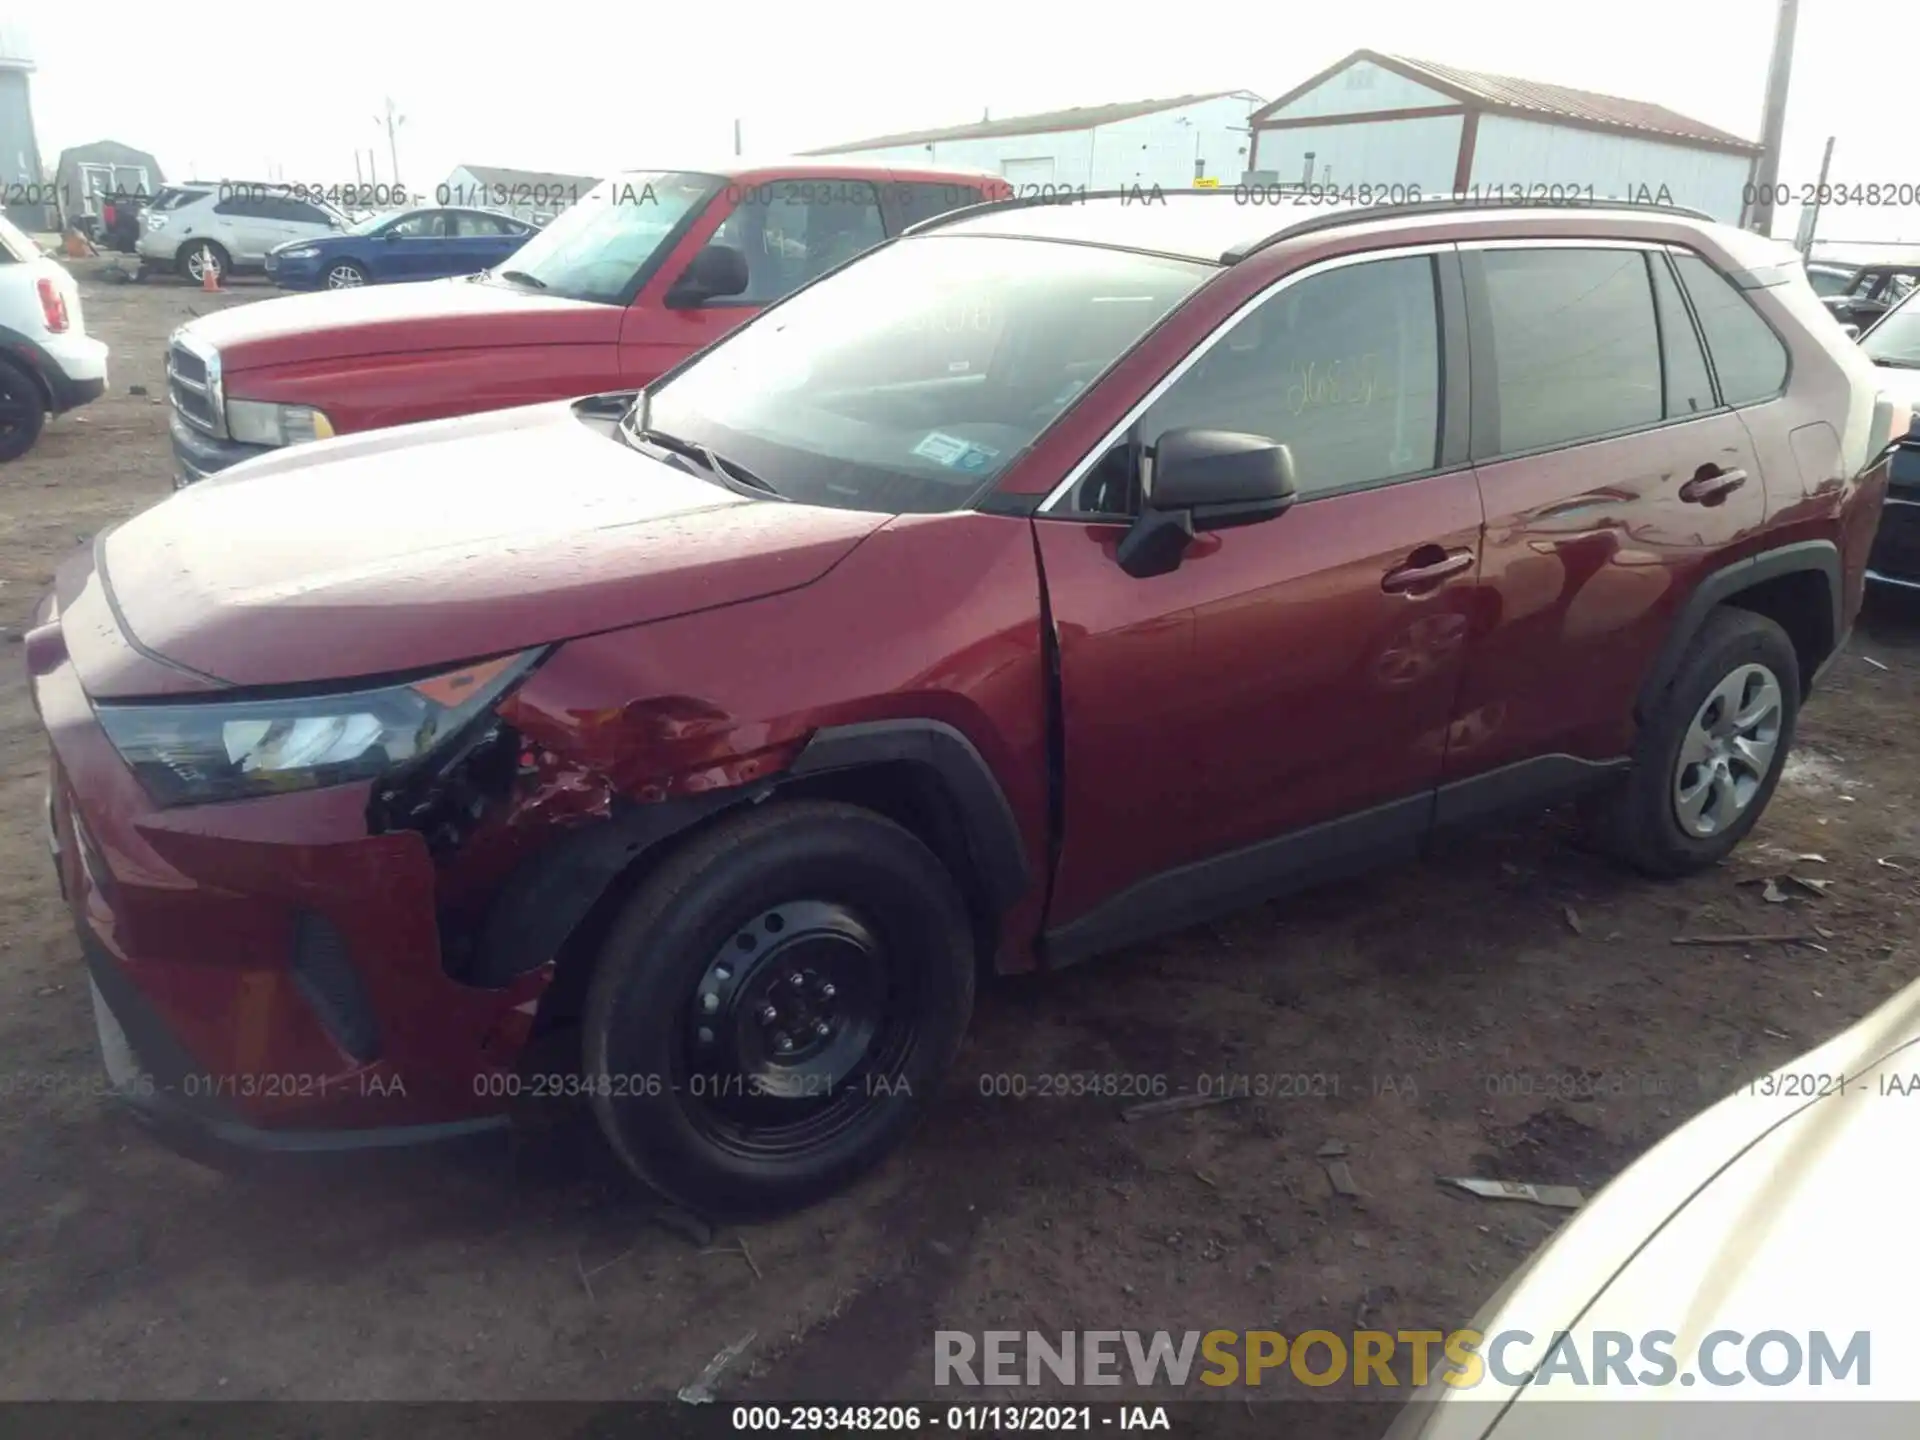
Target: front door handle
(1710, 485)
(1427, 573)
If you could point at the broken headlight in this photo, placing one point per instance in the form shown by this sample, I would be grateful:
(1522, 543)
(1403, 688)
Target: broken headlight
(196, 751)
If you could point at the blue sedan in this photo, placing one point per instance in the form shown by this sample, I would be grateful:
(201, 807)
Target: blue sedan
(400, 245)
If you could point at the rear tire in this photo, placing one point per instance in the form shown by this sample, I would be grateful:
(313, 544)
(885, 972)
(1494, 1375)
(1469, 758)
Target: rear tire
(774, 1009)
(23, 410)
(1708, 758)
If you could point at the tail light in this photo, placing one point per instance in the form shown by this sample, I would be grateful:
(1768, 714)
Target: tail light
(53, 305)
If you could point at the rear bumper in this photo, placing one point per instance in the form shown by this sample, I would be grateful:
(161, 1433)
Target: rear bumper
(72, 367)
(197, 455)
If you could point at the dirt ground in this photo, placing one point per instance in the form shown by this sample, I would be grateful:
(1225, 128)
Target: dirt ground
(1460, 1015)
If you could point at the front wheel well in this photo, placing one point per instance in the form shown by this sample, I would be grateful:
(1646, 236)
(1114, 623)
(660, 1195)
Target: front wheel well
(908, 794)
(1800, 602)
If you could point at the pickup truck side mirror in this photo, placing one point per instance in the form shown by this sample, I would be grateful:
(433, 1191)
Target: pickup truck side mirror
(1205, 480)
(714, 273)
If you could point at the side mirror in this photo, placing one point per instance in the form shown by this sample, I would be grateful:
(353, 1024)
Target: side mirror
(1852, 331)
(714, 273)
(1205, 480)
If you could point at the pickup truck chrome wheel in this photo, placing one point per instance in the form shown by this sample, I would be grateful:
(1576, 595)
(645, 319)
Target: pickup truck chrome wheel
(345, 277)
(1728, 751)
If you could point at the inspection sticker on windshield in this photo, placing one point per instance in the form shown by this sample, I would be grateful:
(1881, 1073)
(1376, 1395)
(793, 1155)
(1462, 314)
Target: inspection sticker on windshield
(953, 452)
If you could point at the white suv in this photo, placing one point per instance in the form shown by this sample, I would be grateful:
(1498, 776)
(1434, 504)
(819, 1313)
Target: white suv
(47, 360)
(230, 226)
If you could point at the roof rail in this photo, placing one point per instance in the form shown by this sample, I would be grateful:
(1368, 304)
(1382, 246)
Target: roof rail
(1330, 218)
(1064, 195)
(1333, 219)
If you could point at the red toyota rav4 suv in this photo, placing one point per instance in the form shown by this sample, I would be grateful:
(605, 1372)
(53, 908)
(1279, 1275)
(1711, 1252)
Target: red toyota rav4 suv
(636, 275)
(1053, 576)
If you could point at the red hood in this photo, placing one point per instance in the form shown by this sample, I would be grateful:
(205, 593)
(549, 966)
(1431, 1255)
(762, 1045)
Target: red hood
(382, 319)
(401, 549)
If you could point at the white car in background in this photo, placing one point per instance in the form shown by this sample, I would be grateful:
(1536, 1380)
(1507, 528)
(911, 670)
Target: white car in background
(48, 362)
(228, 227)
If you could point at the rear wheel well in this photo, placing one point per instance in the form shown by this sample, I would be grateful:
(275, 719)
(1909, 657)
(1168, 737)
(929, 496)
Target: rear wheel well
(908, 794)
(1800, 602)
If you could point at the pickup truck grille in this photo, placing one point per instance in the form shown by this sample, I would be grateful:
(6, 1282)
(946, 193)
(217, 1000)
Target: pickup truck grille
(189, 391)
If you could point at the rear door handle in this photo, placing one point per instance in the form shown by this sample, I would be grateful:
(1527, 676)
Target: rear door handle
(1710, 486)
(1420, 577)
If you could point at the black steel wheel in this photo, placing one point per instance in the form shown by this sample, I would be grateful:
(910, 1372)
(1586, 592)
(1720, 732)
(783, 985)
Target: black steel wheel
(23, 410)
(775, 1007)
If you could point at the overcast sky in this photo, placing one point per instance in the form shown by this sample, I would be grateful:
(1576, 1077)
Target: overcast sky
(585, 87)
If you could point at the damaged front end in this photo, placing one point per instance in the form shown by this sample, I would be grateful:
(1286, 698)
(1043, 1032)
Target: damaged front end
(537, 810)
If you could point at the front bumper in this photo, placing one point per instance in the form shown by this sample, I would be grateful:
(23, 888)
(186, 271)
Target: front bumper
(268, 974)
(295, 274)
(196, 454)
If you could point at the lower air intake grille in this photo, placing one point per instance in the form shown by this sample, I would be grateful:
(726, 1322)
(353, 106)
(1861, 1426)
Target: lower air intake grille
(327, 979)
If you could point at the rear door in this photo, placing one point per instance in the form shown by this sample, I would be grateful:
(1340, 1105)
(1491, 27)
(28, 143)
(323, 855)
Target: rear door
(1275, 708)
(1613, 476)
(908, 202)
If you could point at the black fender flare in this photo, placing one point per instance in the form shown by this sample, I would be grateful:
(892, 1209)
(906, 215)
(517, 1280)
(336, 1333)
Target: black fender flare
(1820, 557)
(544, 901)
(994, 845)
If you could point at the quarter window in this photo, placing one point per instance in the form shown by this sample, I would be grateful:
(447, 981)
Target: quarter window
(1747, 356)
(1342, 367)
(1576, 354)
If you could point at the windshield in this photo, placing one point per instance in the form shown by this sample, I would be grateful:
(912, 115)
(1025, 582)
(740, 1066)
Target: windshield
(596, 246)
(909, 380)
(1896, 339)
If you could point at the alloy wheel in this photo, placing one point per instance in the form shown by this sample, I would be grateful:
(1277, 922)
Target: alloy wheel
(1728, 751)
(343, 277)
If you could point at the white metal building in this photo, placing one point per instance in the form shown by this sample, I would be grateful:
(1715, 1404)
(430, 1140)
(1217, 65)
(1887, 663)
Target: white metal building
(1169, 143)
(1389, 120)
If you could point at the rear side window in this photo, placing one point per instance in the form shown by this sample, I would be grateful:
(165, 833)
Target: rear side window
(912, 201)
(1576, 350)
(1689, 391)
(1747, 356)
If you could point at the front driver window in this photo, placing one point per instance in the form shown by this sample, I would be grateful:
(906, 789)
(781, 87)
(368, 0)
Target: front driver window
(427, 225)
(1342, 367)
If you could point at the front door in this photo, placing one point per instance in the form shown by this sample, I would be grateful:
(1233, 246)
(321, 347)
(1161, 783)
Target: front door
(1610, 472)
(790, 232)
(1276, 707)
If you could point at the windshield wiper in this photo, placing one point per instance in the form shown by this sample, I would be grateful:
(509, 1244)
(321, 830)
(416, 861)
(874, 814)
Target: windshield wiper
(1893, 364)
(522, 277)
(730, 473)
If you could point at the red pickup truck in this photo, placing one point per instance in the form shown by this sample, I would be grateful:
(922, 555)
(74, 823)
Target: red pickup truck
(644, 270)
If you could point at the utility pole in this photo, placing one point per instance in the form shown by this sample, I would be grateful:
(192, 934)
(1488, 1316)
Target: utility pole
(736, 135)
(1810, 214)
(392, 123)
(1774, 121)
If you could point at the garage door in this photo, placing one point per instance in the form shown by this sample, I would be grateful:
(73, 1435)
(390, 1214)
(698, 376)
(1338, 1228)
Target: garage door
(1023, 173)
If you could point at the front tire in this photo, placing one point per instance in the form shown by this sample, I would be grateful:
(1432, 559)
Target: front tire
(197, 258)
(776, 1006)
(345, 275)
(23, 410)
(1710, 755)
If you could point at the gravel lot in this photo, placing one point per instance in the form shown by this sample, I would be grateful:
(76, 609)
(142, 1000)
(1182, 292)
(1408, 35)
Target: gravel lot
(1450, 1010)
